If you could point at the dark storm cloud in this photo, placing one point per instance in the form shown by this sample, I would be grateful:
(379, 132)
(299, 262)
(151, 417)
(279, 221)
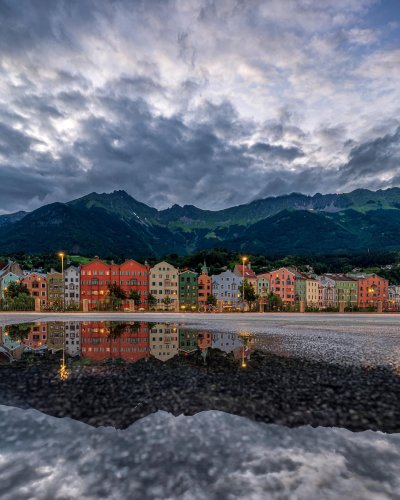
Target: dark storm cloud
(373, 157)
(13, 142)
(289, 154)
(202, 102)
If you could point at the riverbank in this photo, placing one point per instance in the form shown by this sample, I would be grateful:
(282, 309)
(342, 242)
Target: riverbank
(271, 389)
(7, 318)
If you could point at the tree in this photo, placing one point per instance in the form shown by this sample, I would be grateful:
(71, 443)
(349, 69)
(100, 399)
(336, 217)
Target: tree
(117, 328)
(152, 301)
(18, 333)
(250, 295)
(116, 292)
(211, 300)
(167, 302)
(135, 296)
(15, 289)
(274, 301)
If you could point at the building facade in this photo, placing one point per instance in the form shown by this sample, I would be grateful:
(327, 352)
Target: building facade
(72, 278)
(55, 289)
(263, 284)
(97, 277)
(188, 291)
(5, 281)
(372, 290)
(37, 286)
(282, 283)
(346, 289)
(164, 286)
(226, 288)
(205, 288)
(394, 297)
(326, 292)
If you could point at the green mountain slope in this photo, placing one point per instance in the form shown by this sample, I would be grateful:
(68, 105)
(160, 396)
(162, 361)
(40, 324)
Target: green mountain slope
(117, 225)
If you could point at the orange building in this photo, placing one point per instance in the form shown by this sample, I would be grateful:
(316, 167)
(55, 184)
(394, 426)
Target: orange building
(37, 286)
(101, 340)
(372, 290)
(98, 276)
(38, 336)
(282, 283)
(205, 288)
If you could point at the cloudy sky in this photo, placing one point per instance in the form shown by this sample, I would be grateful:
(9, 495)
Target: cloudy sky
(211, 103)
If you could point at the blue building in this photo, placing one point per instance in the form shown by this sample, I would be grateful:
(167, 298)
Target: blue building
(225, 287)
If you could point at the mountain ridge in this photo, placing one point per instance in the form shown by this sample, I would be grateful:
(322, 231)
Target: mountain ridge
(116, 224)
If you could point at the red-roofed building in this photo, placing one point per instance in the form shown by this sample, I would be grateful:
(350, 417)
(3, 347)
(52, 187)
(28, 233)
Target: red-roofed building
(249, 275)
(98, 276)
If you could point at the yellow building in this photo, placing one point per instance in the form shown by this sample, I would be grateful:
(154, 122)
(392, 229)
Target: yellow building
(164, 286)
(312, 292)
(164, 343)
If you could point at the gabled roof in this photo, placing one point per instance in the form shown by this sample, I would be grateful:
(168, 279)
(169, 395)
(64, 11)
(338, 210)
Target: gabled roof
(339, 277)
(248, 273)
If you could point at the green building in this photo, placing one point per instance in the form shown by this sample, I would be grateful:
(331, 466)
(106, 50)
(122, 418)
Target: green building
(188, 291)
(5, 281)
(188, 341)
(346, 289)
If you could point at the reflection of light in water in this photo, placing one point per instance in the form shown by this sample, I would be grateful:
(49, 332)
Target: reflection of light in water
(246, 338)
(63, 371)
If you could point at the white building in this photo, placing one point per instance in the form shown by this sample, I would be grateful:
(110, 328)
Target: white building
(73, 338)
(226, 341)
(164, 286)
(326, 292)
(72, 286)
(394, 297)
(225, 287)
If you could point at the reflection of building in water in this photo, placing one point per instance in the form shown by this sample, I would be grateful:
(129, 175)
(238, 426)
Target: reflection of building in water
(187, 341)
(72, 338)
(55, 335)
(38, 336)
(164, 341)
(204, 339)
(7, 341)
(226, 341)
(102, 340)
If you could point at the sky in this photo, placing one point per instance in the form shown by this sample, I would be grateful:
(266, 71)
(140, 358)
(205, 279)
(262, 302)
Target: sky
(210, 103)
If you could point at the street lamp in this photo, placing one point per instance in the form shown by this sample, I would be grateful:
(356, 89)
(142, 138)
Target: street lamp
(61, 255)
(244, 259)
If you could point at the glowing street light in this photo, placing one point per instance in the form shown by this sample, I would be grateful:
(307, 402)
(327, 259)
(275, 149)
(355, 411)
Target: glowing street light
(61, 255)
(244, 259)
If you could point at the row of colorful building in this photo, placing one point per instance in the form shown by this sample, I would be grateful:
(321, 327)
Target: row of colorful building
(165, 287)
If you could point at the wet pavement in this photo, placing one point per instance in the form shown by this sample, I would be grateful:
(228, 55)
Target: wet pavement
(114, 373)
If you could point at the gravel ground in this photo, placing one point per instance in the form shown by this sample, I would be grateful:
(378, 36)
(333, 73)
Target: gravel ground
(272, 389)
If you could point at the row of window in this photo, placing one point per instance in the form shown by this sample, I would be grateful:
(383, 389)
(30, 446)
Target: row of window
(114, 273)
(121, 283)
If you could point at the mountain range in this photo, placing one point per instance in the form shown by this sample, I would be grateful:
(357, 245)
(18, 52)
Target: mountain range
(117, 225)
